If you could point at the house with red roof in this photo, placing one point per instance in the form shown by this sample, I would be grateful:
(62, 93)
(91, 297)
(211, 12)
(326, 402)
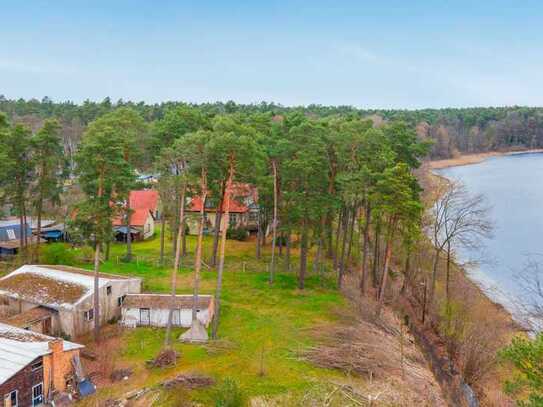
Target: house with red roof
(143, 213)
(243, 210)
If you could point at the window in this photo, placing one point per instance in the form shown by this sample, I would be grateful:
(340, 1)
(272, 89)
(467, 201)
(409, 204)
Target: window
(38, 365)
(13, 397)
(89, 315)
(233, 218)
(11, 234)
(37, 394)
(108, 290)
(253, 216)
(120, 300)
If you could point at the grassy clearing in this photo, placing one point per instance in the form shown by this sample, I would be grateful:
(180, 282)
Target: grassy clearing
(262, 326)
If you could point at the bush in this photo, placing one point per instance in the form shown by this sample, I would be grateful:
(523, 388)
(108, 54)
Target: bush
(57, 253)
(240, 234)
(228, 394)
(281, 241)
(526, 384)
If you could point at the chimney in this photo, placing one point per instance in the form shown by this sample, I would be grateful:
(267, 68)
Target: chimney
(56, 346)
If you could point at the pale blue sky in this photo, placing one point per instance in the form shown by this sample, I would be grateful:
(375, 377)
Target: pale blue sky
(386, 54)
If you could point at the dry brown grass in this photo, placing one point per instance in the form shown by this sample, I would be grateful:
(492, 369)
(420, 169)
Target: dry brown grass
(380, 350)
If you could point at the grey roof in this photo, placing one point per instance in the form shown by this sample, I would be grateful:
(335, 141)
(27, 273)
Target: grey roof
(163, 301)
(19, 347)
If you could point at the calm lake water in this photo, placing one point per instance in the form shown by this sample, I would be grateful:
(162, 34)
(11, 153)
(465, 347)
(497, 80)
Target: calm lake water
(513, 186)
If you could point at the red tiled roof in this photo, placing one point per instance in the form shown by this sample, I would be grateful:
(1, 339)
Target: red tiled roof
(235, 206)
(240, 191)
(142, 203)
(138, 217)
(144, 199)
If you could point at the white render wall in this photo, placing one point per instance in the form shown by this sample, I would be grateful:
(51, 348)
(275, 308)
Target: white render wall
(159, 317)
(149, 227)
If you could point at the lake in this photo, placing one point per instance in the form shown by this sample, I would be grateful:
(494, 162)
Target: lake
(513, 186)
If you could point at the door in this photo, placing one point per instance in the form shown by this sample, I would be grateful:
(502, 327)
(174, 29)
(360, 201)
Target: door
(46, 326)
(145, 316)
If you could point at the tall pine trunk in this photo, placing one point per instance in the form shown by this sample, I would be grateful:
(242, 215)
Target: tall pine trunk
(303, 254)
(345, 233)
(97, 268)
(351, 233)
(365, 248)
(376, 256)
(384, 276)
(258, 238)
(274, 222)
(39, 209)
(338, 237)
(406, 271)
(183, 227)
(21, 229)
(199, 245)
(128, 230)
(222, 250)
(176, 264)
(175, 226)
(329, 238)
(162, 237)
(288, 243)
(216, 231)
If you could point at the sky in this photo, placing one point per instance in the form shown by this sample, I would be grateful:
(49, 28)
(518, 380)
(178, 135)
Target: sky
(369, 54)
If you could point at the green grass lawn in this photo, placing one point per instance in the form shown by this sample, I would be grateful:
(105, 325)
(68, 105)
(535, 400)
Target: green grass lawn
(262, 327)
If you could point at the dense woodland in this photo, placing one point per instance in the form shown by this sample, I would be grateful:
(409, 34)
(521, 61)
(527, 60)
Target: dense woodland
(339, 184)
(454, 130)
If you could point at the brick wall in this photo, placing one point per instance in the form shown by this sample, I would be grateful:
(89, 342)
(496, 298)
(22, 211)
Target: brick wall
(23, 382)
(57, 365)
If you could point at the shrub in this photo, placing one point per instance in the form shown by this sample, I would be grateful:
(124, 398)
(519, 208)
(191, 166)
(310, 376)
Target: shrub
(228, 394)
(57, 253)
(240, 234)
(527, 381)
(281, 241)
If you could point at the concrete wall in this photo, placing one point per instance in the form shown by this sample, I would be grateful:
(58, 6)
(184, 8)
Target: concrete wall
(109, 308)
(159, 317)
(71, 321)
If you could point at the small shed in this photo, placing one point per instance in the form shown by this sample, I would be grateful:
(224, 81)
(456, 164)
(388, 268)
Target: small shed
(153, 310)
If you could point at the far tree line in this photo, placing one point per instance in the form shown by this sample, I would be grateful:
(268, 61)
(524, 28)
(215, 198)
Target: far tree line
(453, 130)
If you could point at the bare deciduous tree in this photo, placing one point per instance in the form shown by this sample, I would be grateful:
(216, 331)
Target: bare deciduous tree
(459, 219)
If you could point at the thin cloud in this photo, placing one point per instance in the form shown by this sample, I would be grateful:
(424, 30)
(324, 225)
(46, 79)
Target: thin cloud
(356, 53)
(33, 68)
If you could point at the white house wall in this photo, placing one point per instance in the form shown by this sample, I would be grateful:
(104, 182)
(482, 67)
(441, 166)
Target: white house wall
(159, 317)
(149, 227)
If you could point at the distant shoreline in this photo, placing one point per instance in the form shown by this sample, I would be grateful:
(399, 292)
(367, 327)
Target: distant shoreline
(503, 313)
(469, 159)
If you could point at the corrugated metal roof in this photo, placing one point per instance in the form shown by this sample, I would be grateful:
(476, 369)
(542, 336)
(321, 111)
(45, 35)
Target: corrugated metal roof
(163, 301)
(19, 347)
